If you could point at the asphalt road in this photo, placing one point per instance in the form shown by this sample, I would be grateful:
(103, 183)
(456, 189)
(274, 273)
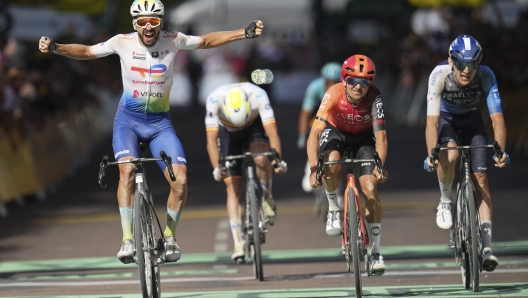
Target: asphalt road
(65, 246)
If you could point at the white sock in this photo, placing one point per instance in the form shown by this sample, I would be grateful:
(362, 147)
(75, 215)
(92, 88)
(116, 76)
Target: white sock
(485, 233)
(374, 230)
(332, 200)
(445, 191)
(236, 226)
(126, 222)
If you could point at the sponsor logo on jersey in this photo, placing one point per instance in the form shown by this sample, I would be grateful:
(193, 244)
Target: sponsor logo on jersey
(139, 56)
(145, 94)
(353, 118)
(435, 76)
(182, 159)
(139, 82)
(156, 71)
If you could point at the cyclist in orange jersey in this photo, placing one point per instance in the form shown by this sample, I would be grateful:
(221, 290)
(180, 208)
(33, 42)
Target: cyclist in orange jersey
(351, 115)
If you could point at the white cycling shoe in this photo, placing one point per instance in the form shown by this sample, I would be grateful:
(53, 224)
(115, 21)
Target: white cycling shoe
(126, 253)
(333, 223)
(444, 219)
(377, 265)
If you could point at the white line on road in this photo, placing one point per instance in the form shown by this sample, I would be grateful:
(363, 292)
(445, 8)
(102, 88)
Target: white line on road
(232, 278)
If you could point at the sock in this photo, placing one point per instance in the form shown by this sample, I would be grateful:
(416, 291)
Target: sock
(332, 200)
(485, 233)
(126, 222)
(374, 230)
(266, 189)
(445, 191)
(236, 226)
(173, 217)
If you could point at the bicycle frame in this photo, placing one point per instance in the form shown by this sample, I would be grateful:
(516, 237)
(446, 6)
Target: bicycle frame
(356, 240)
(148, 249)
(465, 231)
(254, 221)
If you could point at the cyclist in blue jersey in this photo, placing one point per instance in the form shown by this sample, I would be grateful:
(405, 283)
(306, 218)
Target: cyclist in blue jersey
(147, 57)
(453, 104)
(330, 75)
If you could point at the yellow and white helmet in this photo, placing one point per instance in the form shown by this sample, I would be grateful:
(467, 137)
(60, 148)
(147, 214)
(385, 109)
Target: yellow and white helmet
(147, 7)
(236, 107)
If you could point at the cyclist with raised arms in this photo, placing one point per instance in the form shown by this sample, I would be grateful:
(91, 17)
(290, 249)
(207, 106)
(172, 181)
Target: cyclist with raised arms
(351, 115)
(233, 125)
(330, 74)
(147, 57)
(453, 103)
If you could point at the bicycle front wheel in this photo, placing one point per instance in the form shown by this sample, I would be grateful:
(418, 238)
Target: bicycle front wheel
(472, 241)
(353, 239)
(144, 242)
(255, 221)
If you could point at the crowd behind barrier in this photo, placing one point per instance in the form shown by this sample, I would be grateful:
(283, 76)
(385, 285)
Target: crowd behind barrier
(53, 110)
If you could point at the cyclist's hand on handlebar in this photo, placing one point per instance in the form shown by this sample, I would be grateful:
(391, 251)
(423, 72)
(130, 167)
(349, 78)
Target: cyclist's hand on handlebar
(219, 173)
(503, 162)
(313, 180)
(282, 167)
(428, 166)
(379, 177)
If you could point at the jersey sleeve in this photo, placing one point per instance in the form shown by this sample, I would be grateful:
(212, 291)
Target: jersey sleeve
(434, 91)
(310, 97)
(211, 111)
(378, 115)
(260, 97)
(327, 104)
(489, 84)
(187, 42)
(106, 48)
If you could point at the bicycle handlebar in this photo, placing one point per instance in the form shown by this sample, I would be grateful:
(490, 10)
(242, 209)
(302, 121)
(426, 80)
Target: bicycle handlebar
(348, 161)
(434, 152)
(104, 164)
(247, 155)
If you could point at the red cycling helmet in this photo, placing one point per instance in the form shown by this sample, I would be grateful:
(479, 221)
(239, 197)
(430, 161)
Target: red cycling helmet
(359, 66)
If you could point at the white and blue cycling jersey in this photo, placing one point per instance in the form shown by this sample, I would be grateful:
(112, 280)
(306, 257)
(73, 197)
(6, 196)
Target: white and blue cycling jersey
(444, 94)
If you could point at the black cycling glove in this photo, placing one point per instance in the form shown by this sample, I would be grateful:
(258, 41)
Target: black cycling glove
(249, 31)
(52, 46)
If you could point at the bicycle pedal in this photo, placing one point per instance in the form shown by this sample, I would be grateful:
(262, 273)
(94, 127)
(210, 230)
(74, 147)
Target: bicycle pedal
(240, 260)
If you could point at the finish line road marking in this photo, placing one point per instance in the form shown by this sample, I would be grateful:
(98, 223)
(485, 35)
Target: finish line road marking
(235, 278)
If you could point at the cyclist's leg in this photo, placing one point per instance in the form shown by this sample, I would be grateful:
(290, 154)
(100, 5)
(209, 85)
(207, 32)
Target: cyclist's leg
(258, 142)
(231, 143)
(164, 138)
(447, 126)
(479, 166)
(126, 146)
(332, 149)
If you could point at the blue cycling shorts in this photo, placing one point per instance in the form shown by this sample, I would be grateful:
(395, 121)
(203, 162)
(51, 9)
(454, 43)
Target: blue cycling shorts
(130, 128)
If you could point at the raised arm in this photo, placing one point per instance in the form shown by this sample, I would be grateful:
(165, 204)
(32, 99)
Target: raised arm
(218, 38)
(74, 51)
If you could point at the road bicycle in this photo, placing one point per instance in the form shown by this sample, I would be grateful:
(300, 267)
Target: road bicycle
(465, 232)
(355, 235)
(148, 245)
(254, 221)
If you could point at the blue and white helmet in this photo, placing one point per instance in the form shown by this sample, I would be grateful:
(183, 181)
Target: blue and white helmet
(331, 71)
(147, 7)
(465, 48)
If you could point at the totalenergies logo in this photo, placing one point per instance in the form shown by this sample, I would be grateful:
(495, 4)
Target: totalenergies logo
(155, 71)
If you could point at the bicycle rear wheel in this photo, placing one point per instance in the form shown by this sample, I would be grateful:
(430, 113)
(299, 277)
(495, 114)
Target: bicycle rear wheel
(353, 243)
(472, 241)
(255, 220)
(144, 240)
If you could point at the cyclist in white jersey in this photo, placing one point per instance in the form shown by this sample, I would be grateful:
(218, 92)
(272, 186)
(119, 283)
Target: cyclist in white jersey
(232, 126)
(147, 57)
(453, 102)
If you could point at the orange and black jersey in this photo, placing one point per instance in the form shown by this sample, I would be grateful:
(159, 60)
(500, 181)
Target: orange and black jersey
(338, 111)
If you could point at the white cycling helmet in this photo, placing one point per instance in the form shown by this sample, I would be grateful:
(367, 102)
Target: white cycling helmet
(236, 107)
(147, 7)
